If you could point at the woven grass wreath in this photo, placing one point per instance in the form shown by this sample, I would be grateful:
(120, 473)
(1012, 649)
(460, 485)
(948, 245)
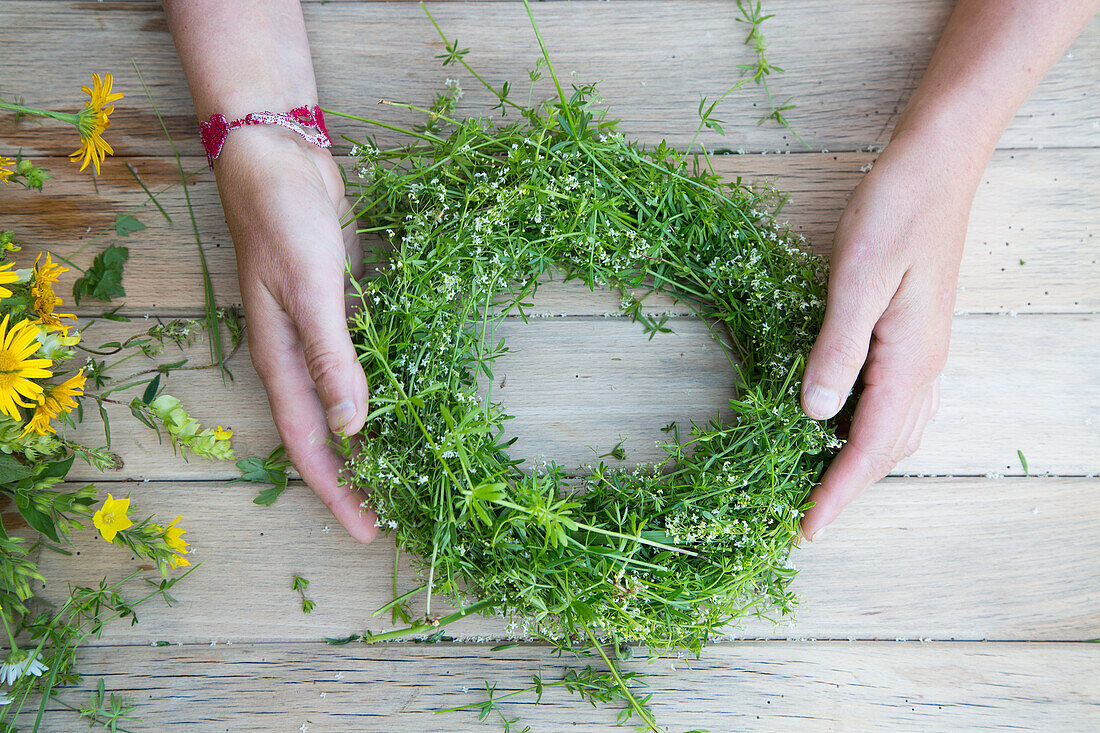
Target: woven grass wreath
(473, 215)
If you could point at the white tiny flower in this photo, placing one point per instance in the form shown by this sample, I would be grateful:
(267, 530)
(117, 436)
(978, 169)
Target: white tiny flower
(339, 676)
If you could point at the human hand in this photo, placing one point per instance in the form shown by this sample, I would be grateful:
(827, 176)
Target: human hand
(892, 284)
(284, 200)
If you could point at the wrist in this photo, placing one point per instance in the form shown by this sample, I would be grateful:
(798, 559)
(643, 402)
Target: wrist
(948, 143)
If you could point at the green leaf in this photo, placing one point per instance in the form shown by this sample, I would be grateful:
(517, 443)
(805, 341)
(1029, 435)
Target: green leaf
(126, 224)
(36, 518)
(341, 641)
(268, 496)
(56, 469)
(12, 470)
(151, 390)
(103, 280)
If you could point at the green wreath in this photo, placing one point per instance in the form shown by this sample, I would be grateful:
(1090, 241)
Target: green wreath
(473, 216)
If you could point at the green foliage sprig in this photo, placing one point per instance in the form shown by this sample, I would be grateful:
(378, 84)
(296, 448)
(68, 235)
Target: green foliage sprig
(473, 216)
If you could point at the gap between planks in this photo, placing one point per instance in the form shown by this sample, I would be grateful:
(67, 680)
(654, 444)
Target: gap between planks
(579, 384)
(822, 686)
(850, 67)
(958, 559)
(1028, 209)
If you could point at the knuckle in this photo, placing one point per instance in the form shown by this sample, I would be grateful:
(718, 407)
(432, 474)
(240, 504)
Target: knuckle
(912, 445)
(324, 364)
(844, 349)
(930, 363)
(877, 460)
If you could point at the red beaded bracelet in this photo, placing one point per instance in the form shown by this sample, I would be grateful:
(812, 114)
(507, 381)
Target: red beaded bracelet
(307, 121)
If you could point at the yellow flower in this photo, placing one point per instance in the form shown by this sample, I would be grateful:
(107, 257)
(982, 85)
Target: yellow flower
(40, 420)
(45, 275)
(172, 536)
(57, 400)
(111, 517)
(94, 119)
(17, 368)
(7, 277)
(221, 433)
(7, 167)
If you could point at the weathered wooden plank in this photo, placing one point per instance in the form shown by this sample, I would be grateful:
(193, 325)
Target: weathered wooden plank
(971, 559)
(742, 687)
(579, 385)
(850, 66)
(1032, 206)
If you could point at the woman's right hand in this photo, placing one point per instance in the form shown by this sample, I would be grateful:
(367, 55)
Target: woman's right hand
(284, 200)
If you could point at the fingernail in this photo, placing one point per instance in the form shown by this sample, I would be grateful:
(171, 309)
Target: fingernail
(340, 415)
(818, 534)
(821, 402)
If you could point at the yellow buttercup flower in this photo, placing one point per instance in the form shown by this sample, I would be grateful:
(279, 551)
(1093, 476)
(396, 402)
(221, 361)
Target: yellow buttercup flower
(45, 300)
(7, 277)
(17, 345)
(7, 168)
(94, 119)
(111, 517)
(171, 535)
(221, 433)
(59, 399)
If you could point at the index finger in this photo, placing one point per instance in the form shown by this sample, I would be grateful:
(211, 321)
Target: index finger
(877, 441)
(300, 419)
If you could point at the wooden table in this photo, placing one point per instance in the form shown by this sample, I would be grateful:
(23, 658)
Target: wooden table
(956, 594)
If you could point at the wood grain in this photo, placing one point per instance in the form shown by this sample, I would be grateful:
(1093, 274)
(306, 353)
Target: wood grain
(1032, 206)
(578, 385)
(734, 687)
(913, 558)
(850, 67)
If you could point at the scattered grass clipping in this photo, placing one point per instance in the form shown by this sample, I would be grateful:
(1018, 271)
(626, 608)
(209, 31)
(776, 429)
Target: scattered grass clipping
(473, 215)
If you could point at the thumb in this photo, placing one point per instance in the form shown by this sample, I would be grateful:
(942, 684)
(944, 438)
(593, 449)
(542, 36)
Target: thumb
(330, 357)
(853, 308)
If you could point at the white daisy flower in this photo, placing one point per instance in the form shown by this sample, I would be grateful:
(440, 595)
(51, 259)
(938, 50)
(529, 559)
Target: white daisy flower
(18, 664)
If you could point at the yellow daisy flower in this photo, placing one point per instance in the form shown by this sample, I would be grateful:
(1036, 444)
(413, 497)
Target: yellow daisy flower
(45, 275)
(7, 168)
(17, 368)
(111, 517)
(40, 420)
(7, 277)
(48, 272)
(59, 399)
(94, 119)
(65, 394)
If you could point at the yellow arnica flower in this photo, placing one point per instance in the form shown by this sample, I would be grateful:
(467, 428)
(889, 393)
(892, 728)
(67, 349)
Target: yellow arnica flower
(94, 119)
(7, 167)
(17, 368)
(7, 277)
(45, 275)
(111, 517)
(47, 272)
(59, 399)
